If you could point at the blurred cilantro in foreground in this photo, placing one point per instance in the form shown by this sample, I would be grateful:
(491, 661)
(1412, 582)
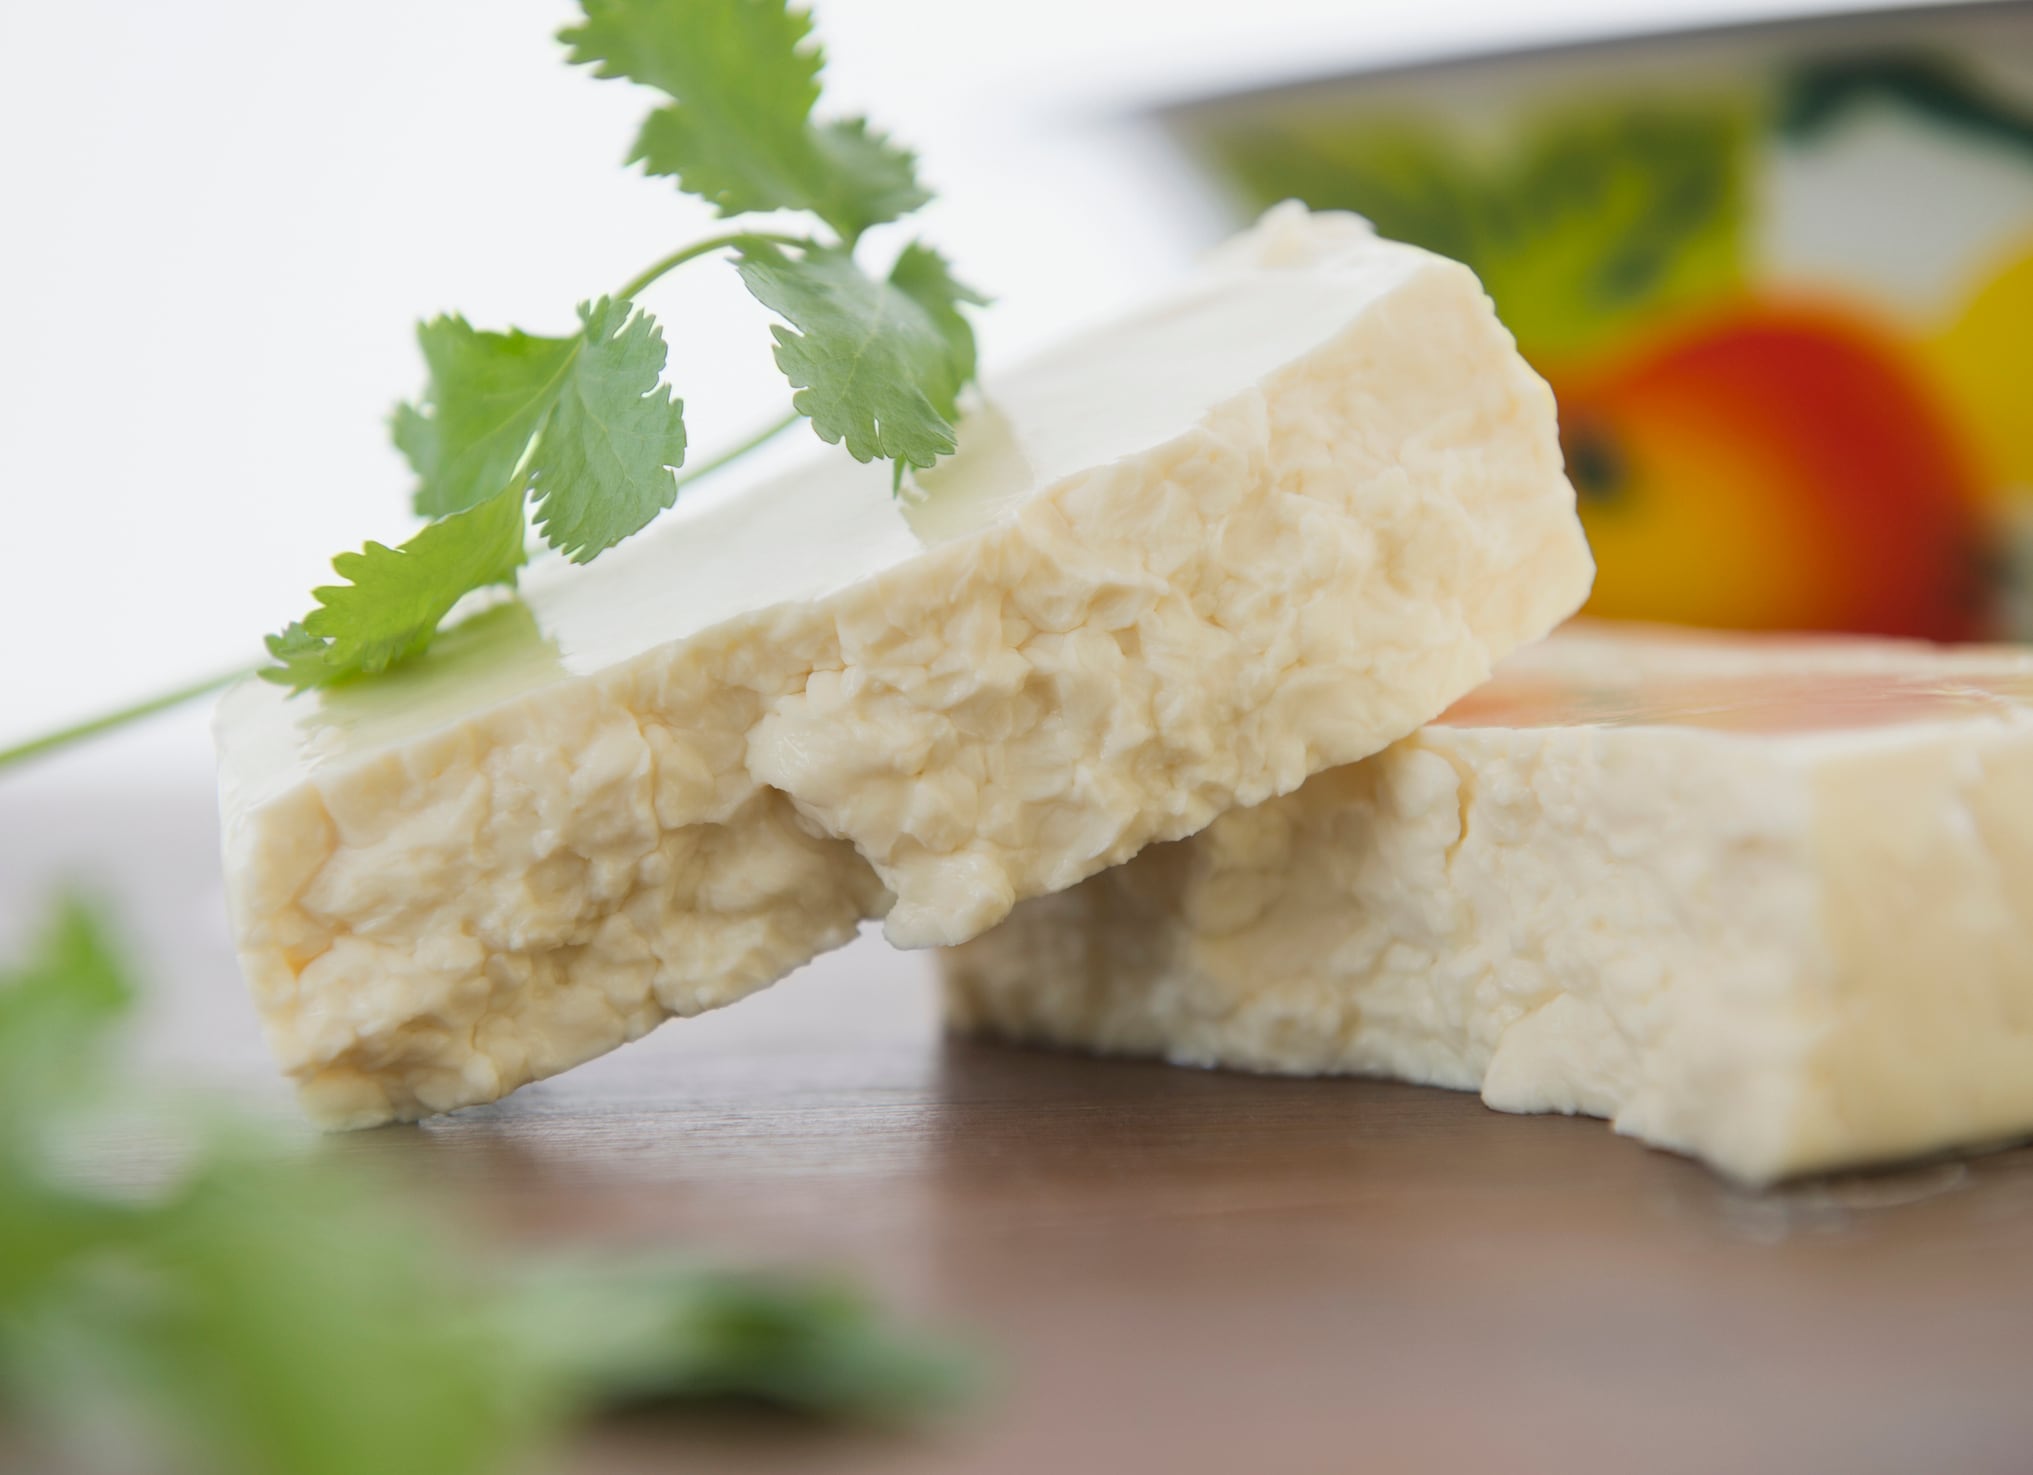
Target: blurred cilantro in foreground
(267, 1314)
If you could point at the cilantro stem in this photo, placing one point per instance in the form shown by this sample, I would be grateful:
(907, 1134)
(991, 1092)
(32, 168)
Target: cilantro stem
(735, 452)
(106, 722)
(635, 284)
(92, 727)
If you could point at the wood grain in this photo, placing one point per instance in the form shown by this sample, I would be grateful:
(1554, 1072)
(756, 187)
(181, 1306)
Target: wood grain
(1189, 1271)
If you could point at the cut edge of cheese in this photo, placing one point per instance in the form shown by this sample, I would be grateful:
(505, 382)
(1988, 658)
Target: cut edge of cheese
(1782, 941)
(557, 832)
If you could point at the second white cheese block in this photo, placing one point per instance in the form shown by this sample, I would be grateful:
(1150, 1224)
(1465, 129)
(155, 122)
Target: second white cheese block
(1263, 528)
(1769, 903)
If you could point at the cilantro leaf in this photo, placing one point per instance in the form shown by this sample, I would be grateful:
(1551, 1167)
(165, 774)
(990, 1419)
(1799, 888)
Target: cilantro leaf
(603, 466)
(861, 178)
(877, 364)
(57, 1011)
(263, 1311)
(605, 438)
(640, 1332)
(924, 276)
(307, 1321)
(744, 76)
(488, 394)
(299, 658)
(395, 597)
(584, 423)
(54, 1010)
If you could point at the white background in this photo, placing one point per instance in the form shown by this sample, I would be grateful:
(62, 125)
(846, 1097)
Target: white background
(220, 218)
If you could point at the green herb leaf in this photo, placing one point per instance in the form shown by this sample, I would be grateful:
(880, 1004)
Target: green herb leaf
(55, 1009)
(488, 394)
(877, 364)
(641, 1333)
(861, 178)
(607, 435)
(303, 1321)
(743, 76)
(924, 276)
(59, 1001)
(395, 597)
(604, 465)
(583, 422)
(266, 1312)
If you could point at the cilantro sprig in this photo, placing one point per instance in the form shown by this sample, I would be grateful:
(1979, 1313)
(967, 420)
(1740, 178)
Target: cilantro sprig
(579, 434)
(263, 1312)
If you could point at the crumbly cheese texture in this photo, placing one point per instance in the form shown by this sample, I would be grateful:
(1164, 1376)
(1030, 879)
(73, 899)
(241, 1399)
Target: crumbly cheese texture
(1265, 527)
(1764, 903)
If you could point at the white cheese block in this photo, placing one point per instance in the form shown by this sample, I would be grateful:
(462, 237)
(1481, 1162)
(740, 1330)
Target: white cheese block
(1769, 903)
(1264, 527)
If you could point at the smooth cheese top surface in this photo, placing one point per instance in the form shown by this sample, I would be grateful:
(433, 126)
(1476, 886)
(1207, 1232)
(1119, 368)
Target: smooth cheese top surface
(1137, 384)
(1773, 685)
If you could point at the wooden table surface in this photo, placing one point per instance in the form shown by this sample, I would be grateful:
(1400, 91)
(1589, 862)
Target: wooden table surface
(1174, 1270)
